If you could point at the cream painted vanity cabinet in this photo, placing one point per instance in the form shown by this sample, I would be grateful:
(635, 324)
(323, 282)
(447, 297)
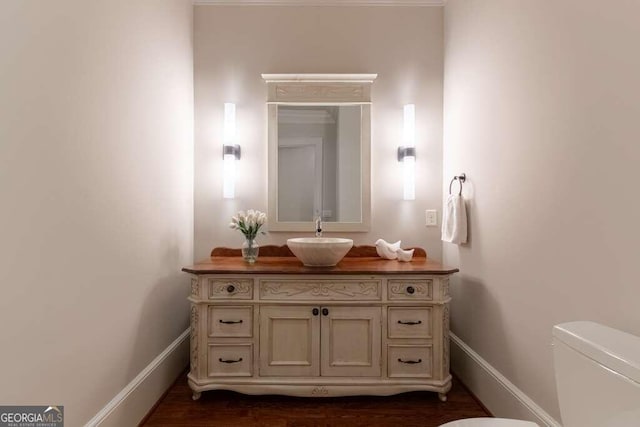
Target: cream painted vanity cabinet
(366, 326)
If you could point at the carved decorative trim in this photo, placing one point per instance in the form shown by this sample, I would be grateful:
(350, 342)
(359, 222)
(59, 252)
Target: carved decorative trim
(320, 391)
(319, 88)
(319, 78)
(362, 290)
(195, 287)
(194, 339)
(444, 283)
(230, 288)
(294, 91)
(445, 332)
(348, 387)
(401, 289)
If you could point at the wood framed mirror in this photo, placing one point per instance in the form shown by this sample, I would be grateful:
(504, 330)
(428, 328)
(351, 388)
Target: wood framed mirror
(319, 128)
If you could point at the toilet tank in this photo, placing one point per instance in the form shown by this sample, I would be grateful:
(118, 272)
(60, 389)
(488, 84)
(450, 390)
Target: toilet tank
(597, 375)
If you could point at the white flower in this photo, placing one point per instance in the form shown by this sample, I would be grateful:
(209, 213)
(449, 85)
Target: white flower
(248, 222)
(251, 218)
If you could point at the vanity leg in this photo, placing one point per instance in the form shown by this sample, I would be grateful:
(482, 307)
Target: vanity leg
(196, 395)
(442, 397)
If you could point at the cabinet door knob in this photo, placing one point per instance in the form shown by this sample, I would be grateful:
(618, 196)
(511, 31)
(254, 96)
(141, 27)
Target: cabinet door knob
(325, 311)
(230, 360)
(410, 362)
(315, 311)
(231, 288)
(410, 322)
(410, 290)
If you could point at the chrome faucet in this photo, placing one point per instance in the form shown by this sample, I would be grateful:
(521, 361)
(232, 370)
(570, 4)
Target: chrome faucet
(319, 226)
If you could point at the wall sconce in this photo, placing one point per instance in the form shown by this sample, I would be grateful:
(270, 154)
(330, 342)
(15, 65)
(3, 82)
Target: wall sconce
(407, 152)
(230, 151)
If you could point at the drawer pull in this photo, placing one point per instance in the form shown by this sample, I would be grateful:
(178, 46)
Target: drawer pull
(230, 322)
(410, 362)
(410, 322)
(231, 288)
(230, 360)
(411, 290)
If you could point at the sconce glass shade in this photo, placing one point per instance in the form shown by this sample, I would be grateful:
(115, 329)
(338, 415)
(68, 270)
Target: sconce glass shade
(229, 158)
(409, 158)
(229, 171)
(409, 176)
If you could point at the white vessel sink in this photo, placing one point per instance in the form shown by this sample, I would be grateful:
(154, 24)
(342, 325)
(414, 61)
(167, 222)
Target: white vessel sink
(319, 251)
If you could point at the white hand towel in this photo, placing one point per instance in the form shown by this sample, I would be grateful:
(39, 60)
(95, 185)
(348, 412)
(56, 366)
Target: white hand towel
(454, 220)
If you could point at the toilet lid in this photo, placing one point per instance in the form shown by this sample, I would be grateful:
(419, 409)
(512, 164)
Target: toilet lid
(489, 422)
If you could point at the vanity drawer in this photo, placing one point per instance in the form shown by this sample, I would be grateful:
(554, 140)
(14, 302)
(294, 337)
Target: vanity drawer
(410, 361)
(230, 288)
(230, 360)
(410, 289)
(321, 290)
(409, 322)
(230, 321)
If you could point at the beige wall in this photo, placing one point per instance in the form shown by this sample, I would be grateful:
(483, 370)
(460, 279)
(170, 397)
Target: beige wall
(234, 45)
(96, 173)
(542, 108)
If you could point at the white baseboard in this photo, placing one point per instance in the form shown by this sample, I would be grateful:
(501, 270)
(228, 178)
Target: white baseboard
(499, 395)
(138, 397)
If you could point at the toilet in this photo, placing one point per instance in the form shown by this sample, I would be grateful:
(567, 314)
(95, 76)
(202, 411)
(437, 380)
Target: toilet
(597, 377)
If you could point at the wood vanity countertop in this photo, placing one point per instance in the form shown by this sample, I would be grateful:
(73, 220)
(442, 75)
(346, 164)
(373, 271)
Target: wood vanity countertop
(279, 260)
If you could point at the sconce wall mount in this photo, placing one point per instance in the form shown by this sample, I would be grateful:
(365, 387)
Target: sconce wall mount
(406, 152)
(233, 150)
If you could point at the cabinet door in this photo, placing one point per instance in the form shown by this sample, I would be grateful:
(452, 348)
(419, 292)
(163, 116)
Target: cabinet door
(289, 341)
(351, 341)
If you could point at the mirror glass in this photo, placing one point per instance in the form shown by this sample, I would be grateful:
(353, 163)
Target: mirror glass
(319, 171)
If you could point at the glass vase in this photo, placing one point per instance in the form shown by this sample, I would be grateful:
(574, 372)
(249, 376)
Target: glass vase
(250, 250)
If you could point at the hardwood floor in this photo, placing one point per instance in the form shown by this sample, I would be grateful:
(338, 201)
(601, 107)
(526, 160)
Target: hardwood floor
(229, 409)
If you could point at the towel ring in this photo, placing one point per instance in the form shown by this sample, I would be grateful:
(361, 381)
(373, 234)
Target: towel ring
(460, 178)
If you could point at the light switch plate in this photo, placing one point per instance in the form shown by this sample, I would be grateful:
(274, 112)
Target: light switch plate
(431, 218)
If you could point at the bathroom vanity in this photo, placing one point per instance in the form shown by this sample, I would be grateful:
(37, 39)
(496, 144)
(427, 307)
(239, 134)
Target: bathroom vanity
(366, 326)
